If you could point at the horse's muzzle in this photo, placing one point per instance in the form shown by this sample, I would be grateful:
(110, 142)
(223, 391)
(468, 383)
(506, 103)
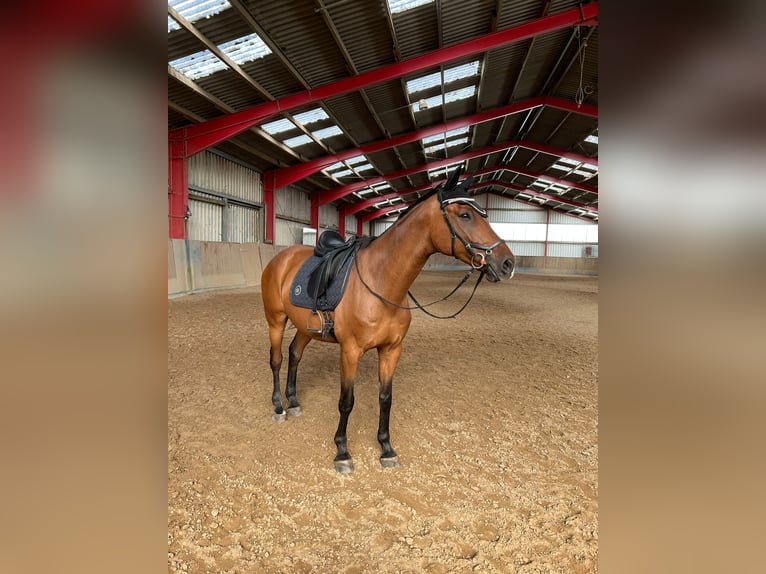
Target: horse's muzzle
(500, 271)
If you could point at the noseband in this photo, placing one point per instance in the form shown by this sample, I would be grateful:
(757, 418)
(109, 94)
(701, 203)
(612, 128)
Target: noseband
(477, 252)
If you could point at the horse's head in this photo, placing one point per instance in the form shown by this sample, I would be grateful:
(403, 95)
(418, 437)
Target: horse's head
(465, 232)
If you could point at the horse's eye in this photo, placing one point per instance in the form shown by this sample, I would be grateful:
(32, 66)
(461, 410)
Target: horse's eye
(466, 215)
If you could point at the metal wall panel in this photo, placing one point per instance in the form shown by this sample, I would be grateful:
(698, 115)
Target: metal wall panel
(210, 171)
(526, 247)
(350, 225)
(380, 225)
(328, 216)
(289, 232)
(205, 221)
(243, 224)
(514, 215)
(567, 249)
(293, 203)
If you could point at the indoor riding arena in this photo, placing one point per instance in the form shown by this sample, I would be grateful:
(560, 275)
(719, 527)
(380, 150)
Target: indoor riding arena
(461, 137)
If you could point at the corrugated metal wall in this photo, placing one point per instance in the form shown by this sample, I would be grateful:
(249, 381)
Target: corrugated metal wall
(328, 217)
(293, 203)
(243, 224)
(523, 227)
(210, 171)
(289, 232)
(205, 222)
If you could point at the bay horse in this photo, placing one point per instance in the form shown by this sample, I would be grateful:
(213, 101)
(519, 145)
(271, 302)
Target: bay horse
(372, 313)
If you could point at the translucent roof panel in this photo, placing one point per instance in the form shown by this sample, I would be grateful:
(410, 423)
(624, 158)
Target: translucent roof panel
(450, 75)
(569, 161)
(397, 6)
(589, 166)
(325, 133)
(198, 65)
(561, 167)
(365, 167)
(194, 10)
(356, 159)
(300, 140)
(448, 144)
(311, 116)
(342, 173)
(245, 49)
(278, 126)
(449, 97)
(450, 134)
(441, 171)
(592, 139)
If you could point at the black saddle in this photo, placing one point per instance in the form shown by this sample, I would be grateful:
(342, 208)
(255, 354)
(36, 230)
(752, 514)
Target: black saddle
(334, 253)
(328, 241)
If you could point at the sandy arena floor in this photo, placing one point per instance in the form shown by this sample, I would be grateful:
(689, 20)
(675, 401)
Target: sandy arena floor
(494, 418)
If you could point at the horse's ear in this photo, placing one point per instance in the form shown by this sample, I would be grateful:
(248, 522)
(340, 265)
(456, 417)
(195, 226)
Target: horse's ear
(466, 183)
(454, 178)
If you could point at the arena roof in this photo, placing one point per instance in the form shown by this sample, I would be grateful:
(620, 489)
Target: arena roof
(381, 98)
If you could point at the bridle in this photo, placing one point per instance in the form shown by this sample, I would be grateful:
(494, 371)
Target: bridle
(478, 259)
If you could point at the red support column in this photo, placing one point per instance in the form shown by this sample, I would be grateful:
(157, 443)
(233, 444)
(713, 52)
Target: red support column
(342, 221)
(270, 207)
(315, 213)
(178, 190)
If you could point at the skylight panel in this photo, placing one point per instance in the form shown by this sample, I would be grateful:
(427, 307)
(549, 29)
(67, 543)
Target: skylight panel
(342, 173)
(461, 71)
(397, 6)
(440, 171)
(592, 139)
(448, 144)
(449, 97)
(589, 166)
(380, 186)
(328, 132)
(356, 159)
(311, 116)
(561, 167)
(245, 49)
(584, 173)
(198, 65)
(435, 79)
(569, 161)
(194, 10)
(300, 140)
(365, 167)
(450, 134)
(278, 126)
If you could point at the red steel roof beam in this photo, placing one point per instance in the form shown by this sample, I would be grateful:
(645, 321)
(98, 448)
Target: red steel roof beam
(287, 175)
(334, 194)
(206, 134)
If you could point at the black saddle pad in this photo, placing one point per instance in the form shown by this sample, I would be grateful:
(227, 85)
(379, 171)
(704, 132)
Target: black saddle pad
(299, 291)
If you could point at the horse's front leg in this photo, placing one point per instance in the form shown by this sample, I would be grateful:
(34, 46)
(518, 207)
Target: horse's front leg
(349, 362)
(388, 358)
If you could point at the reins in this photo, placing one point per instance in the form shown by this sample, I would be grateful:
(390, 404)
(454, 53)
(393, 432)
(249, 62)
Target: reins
(418, 305)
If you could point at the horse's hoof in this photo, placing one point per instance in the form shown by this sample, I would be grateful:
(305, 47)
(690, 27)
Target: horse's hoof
(392, 462)
(344, 466)
(279, 417)
(295, 411)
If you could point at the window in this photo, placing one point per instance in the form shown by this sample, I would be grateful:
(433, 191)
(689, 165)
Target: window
(194, 10)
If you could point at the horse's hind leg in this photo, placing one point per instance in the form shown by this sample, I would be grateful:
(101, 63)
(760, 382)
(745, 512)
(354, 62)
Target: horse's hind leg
(294, 358)
(277, 322)
(388, 358)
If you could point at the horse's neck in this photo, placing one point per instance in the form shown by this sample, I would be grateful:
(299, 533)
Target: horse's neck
(394, 259)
